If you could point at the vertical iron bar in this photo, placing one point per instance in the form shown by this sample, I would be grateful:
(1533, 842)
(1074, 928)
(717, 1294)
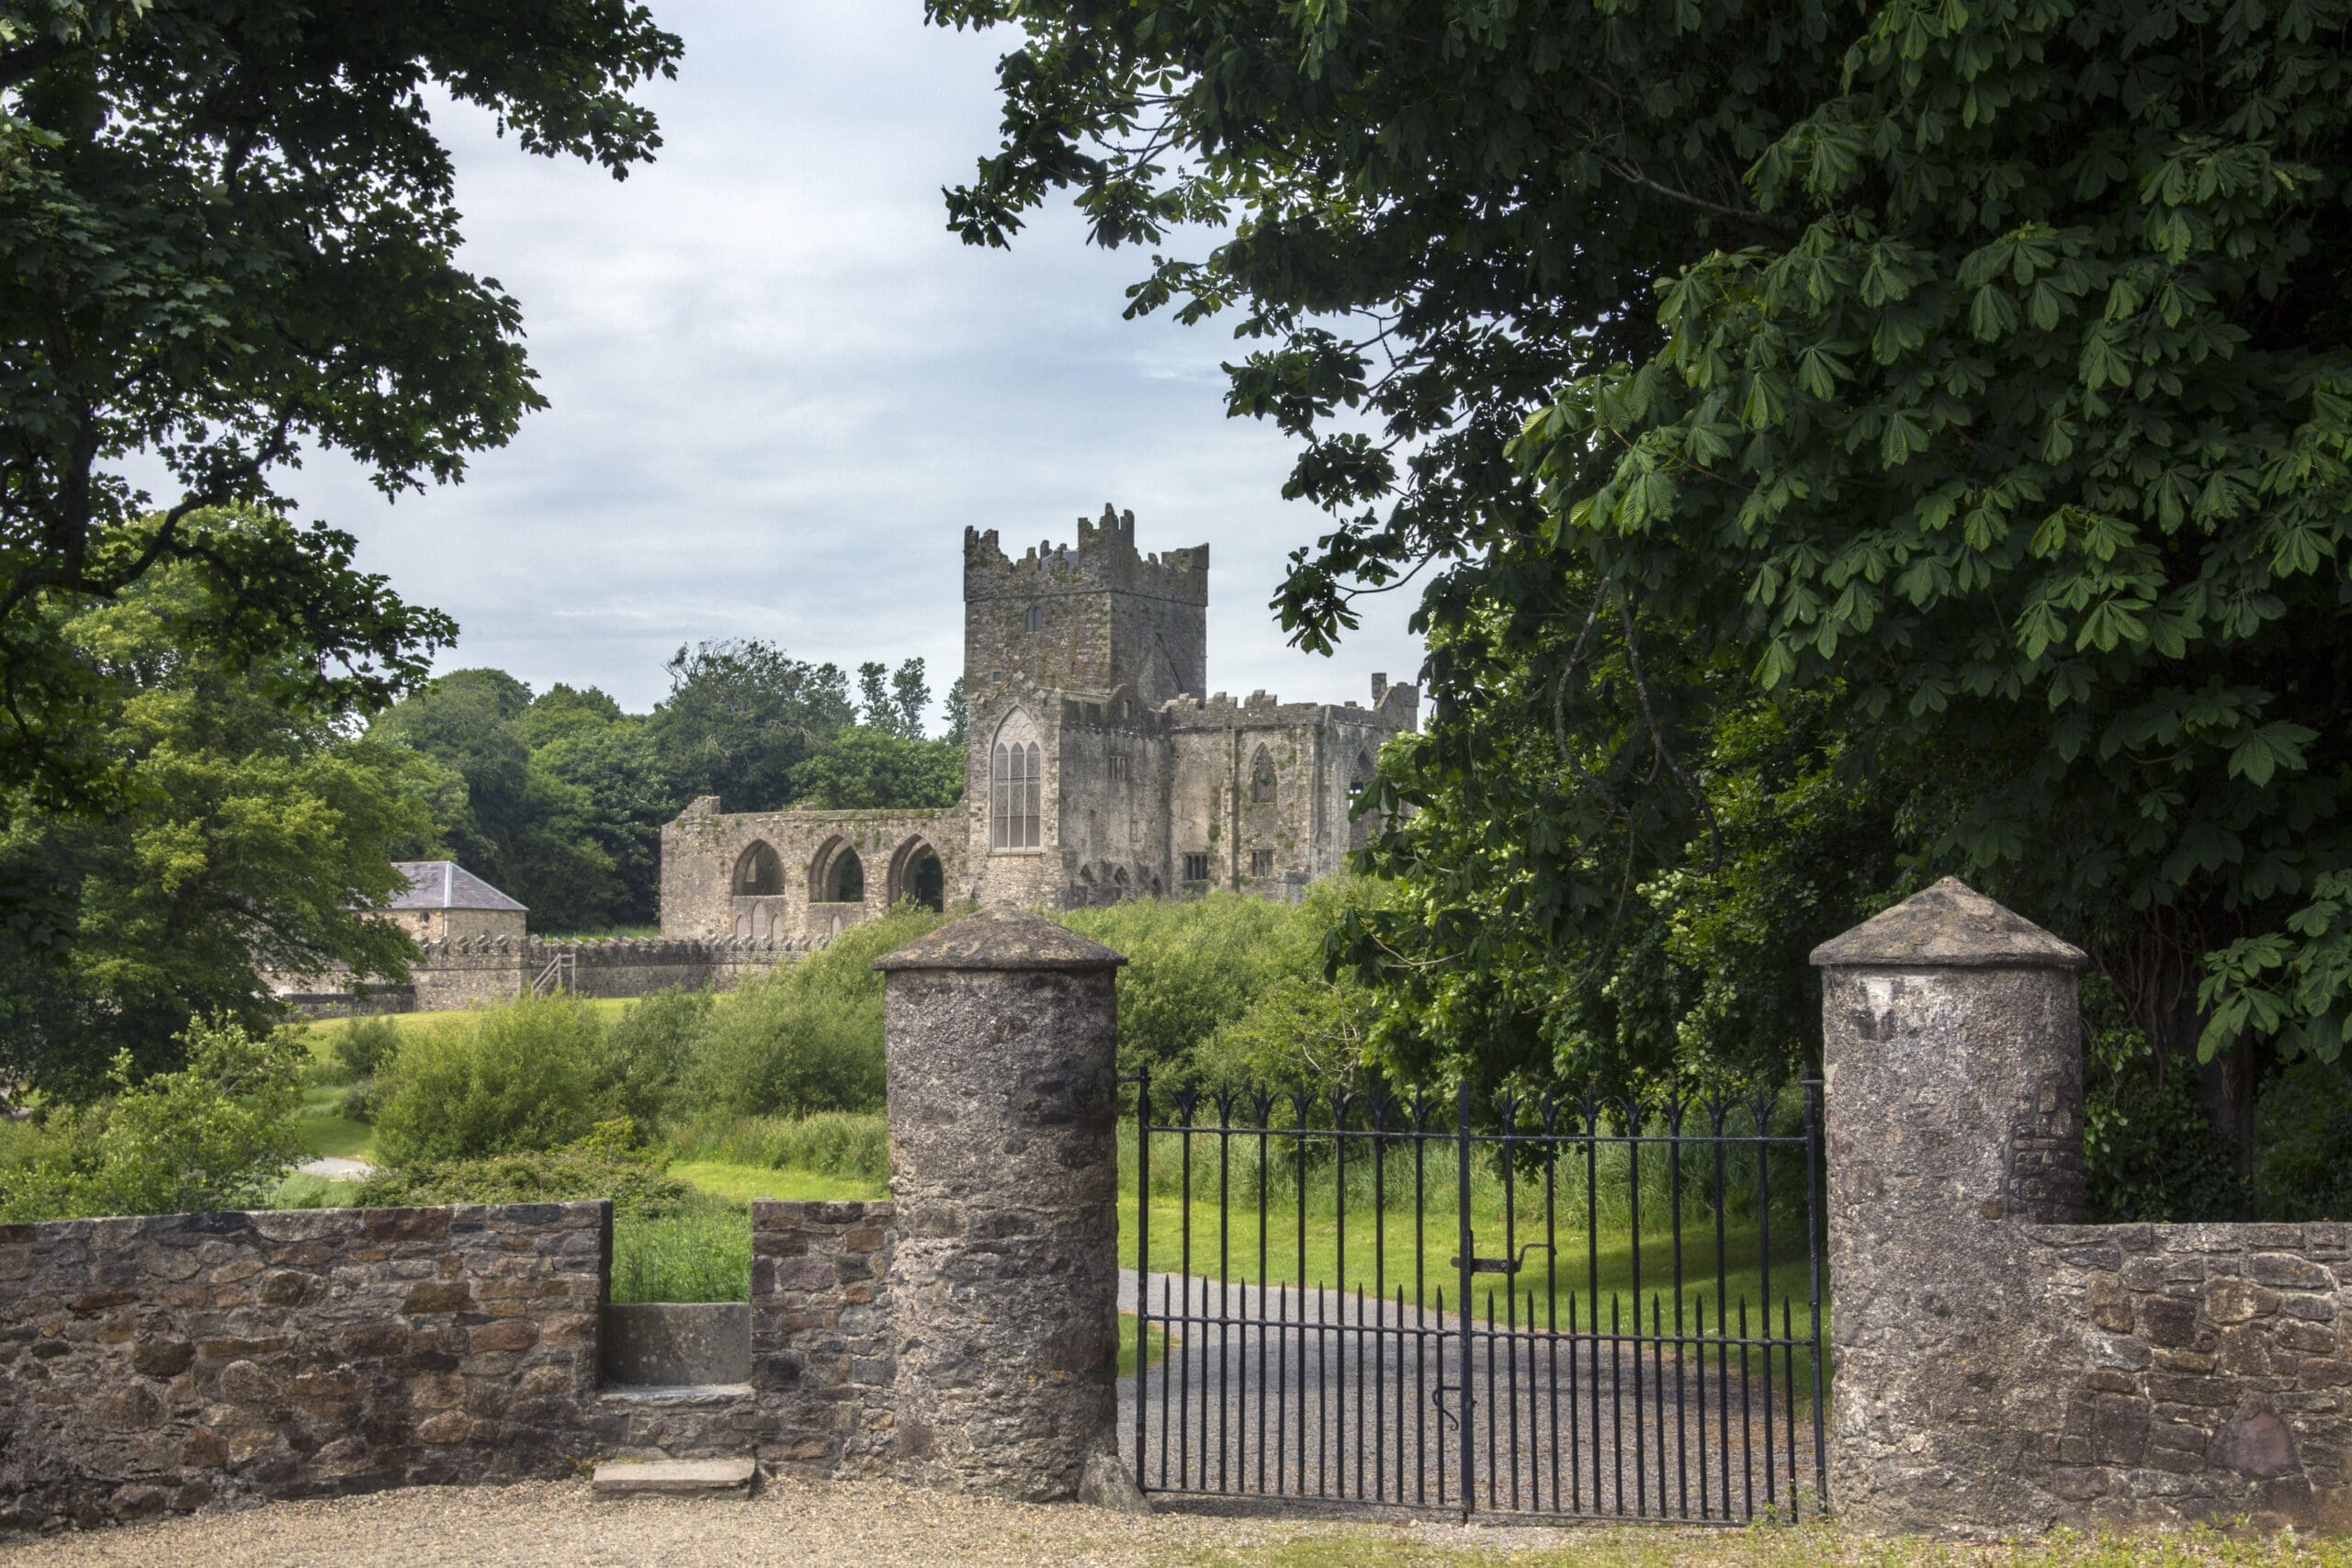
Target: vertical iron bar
(1633, 1183)
(1747, 1423)
(1185, 1372)
(1552, 1293)
(1511, 1293)
(1468, 1245)
(1282, 1383)
(1764, 1287)
(1617, 1402)
(1789, 1394)
(1491, 1401)
(1168, 1326)
(1722, 1309)
(1420, 1304)
(1813, 1252)
(1322, 1425)
(1339, 1422)
(1441, 1394)
(1299, 1103)
(1223, 1299)
(1401, 1342)
(1576, 1474)
(1592, 1273)
(1379, 1295)
(1143, 1259)
(1699, 1304)
(1360, 1381)
(1681, 1430)
(1657, 1388)
(1265, 1110)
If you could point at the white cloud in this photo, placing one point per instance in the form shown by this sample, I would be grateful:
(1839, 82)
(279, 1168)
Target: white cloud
(781, 387)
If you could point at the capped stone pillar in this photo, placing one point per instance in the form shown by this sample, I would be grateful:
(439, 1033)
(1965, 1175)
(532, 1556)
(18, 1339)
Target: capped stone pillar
(1952, 1059)
(1003, 1096)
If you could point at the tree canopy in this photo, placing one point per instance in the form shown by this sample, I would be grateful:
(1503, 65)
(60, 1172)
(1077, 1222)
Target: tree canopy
(230, 232)
(252, 836)
(1955, 400)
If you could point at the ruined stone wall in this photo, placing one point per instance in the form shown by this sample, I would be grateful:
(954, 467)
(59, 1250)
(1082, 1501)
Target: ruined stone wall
(1014, 878)
(702, 848)
(1315, 748)
(823, 1346)
(1112, 780)
(169, 1362)
(1110, 616)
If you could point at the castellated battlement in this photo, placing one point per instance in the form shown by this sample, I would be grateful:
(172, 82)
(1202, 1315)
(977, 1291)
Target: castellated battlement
(1104, 559)
(1393, 707)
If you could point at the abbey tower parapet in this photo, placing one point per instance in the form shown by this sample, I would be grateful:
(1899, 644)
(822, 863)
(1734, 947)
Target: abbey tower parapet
(1099, 616)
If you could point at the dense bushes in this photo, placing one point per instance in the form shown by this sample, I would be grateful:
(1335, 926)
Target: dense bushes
(807, 1038)
(217, 1133)
(505, 1080)
(1229, 989)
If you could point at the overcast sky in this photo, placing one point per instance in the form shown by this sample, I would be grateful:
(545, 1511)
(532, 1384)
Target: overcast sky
(781, 388)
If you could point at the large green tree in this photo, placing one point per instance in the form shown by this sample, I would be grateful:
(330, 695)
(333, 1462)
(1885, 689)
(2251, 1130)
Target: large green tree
(741, 715)
(230, 233)
(516, 820)
(252, 836)
(1957, 392)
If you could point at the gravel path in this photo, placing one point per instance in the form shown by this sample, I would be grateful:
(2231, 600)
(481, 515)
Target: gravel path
(1585, 1426)
(558, 1525)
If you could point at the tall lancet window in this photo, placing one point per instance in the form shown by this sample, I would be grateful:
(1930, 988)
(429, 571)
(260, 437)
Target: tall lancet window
(1016, 786)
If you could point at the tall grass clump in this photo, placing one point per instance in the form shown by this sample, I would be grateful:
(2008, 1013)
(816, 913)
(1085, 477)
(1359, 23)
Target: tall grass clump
(808, 1037)
(505, 1080)
(853, 1145)
(697, 1252)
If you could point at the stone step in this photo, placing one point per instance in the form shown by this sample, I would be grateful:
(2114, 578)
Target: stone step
(675, 1478)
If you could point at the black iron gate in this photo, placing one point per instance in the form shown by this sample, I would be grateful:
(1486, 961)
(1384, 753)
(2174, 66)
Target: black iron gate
(1373, 1298)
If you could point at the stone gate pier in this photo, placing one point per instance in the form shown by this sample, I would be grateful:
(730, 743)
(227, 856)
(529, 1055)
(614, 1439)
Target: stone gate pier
(1000, 1032)
(2002, 1368)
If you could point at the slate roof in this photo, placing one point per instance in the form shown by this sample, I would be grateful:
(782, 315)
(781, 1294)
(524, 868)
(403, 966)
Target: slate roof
(446, 885)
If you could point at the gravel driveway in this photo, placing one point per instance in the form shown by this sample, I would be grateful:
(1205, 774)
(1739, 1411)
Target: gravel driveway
(558, 1525)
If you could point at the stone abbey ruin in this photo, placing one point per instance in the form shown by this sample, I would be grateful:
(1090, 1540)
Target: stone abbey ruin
(1096, 767)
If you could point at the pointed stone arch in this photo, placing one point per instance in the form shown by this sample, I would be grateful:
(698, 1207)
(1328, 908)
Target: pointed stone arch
(1016, 786)
(1265, 784)
(917, 876)
(836, 874)
(759, 870)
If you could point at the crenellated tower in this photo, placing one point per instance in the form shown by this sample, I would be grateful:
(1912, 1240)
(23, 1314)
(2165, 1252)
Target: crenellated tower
(1093, 617)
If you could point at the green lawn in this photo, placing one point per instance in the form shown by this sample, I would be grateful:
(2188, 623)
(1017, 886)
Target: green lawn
(742, 1183)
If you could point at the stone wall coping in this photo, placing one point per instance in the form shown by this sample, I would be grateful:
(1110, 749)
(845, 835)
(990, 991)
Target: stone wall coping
(1001, 939)
(1948, 925)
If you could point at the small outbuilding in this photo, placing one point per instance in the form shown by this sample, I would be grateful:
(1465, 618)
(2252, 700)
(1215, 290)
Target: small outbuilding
(444, 902)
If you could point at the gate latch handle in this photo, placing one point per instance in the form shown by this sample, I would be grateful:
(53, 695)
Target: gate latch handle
(1437, 1398)
(1503, 1265)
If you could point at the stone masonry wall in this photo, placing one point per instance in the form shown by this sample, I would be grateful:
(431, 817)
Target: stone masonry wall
(2201, 1374)
(178, 1360)
(823, 1348)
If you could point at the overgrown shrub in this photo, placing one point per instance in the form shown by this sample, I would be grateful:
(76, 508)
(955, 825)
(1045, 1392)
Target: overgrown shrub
(808, 1037)
(1229, 990)
(505, 1080)
(217, 1133)
(646, 1051)
(636, 1186)
(366, 1044)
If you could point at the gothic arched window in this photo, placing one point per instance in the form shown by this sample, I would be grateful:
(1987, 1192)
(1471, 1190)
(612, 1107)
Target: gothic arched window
(1263, 784)
(1016, 786)
(759, 873)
